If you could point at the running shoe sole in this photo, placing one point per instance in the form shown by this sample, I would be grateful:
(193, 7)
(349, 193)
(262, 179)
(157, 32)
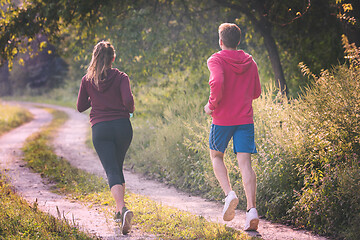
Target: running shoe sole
(253, 226)
(126, 226)
(230, 211)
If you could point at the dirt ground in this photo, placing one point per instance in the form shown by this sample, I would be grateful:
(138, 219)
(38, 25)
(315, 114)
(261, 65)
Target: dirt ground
(70, 144)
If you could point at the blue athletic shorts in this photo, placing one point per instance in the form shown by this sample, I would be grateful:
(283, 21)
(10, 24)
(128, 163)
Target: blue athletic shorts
(243, 138)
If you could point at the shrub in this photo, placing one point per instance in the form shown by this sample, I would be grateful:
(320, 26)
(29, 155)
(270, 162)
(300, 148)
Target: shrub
(331, 154)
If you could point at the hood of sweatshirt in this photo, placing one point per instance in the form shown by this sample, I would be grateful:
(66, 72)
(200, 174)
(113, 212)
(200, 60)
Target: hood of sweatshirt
(237, 60)
(107, 81)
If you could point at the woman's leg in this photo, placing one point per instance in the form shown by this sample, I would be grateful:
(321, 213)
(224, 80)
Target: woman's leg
(118, 193)
(124, 135)
(105, 145)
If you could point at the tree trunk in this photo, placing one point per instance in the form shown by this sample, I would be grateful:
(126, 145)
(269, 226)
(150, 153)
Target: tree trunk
(264, 27)
(273, 52)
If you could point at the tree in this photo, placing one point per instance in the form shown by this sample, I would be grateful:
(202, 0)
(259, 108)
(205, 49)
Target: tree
(163, 30)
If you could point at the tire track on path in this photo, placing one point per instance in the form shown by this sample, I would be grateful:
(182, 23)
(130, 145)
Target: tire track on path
(70, 143)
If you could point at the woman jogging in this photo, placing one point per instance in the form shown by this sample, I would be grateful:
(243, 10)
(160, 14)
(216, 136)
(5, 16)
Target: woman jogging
(107, 91)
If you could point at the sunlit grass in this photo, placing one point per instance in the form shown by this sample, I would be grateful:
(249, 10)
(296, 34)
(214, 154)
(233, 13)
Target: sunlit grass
(19, 220)
(12, 117)
(171, 223)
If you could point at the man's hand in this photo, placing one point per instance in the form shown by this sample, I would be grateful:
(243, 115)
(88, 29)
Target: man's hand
(207, 110)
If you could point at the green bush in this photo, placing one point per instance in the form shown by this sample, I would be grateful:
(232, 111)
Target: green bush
(329, 200)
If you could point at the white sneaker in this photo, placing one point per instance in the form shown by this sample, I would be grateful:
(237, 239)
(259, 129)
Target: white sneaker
(252, 220)
(231, 201)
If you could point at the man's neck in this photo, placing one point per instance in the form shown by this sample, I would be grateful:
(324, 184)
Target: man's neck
(227, 48)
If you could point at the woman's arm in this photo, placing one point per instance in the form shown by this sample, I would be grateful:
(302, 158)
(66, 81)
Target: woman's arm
(126, 93)
(83, 101)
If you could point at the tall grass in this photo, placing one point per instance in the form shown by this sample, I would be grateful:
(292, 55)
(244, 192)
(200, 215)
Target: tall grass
(19, 220)
(12, 117)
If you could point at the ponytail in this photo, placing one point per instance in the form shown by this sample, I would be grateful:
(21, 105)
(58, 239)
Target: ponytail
(101, 60)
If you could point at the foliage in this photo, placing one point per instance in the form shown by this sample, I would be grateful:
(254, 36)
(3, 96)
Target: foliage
(307, 166)
(160, 36)
(330, 195)
(20, 23)
(12, 117)
(19, 220)
(153, 39)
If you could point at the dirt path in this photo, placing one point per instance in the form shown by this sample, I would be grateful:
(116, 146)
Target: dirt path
(69, 143)
(31, 187)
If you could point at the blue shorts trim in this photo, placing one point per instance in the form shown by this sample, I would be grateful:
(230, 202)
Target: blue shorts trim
(243, 138)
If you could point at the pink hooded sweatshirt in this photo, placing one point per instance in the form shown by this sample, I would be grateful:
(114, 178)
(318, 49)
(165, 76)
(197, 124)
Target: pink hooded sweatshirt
(234, 84)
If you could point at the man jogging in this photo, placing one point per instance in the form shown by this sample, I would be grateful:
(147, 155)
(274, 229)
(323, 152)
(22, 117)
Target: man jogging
(234, 84)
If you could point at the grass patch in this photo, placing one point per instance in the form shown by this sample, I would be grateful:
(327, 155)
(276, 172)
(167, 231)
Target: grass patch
(170, 223)
(163, 221)
(19, 220)
(12, 117)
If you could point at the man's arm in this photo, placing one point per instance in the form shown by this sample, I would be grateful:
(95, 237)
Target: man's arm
(216, 82)
(207, 110)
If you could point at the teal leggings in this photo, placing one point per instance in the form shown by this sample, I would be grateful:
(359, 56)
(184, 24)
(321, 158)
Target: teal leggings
(111, 140)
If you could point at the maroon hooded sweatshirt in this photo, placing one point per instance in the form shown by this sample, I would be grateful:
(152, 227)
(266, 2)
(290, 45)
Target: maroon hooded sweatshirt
(111, 100)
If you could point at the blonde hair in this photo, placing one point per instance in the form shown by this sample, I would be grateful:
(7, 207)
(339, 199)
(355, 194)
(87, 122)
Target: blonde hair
(101, 60)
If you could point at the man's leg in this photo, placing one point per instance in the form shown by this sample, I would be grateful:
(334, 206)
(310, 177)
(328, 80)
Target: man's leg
(249, 182)
(220, 170)
(221, 173)
(248, 178)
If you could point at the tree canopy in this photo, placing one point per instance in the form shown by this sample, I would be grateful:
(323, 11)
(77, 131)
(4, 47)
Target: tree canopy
(165, 34)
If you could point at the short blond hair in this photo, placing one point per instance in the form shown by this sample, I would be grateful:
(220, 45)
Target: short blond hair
(230, 34)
